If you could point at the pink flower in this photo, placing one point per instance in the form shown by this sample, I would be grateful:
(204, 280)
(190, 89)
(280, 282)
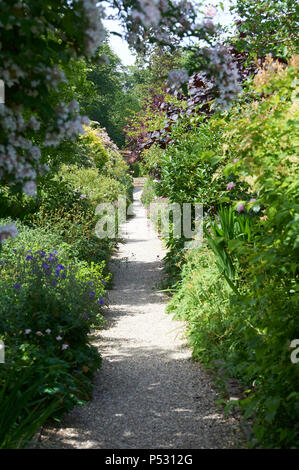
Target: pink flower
(64, 346)
(230, 185)
(241, 207)
(235, 160)
(211, 12)
(252, 200)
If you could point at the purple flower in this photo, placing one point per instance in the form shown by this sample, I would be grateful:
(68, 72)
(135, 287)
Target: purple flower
(59, 268)
(42, 253)
(45, 266)
(101, 301)
(54, 283)
(17, 286)
(86, 314)
(55, 252)
(83, 195)
(29, 257)
(230, 185)
(241, 208)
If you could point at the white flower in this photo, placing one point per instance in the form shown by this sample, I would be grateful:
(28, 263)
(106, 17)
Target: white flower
(48, 331)
(177, 77)
(9, 230)
(27, 331)
(59, 338)
(39, 333)
(64, 346)
(29, 188)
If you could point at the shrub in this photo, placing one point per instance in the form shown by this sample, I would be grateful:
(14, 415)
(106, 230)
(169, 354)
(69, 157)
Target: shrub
(48, 309)
(240, 299)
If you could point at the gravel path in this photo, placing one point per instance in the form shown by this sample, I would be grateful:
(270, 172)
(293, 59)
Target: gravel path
(149, 394)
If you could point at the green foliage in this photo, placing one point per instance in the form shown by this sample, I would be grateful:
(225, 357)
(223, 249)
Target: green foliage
(23, 409)
(53, 278)
(239, 296)
(267, 27)
(148, 192)
(114, 98)
(49, 304)
(91, 184)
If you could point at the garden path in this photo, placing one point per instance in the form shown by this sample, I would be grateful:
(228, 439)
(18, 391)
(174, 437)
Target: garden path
(149, 393)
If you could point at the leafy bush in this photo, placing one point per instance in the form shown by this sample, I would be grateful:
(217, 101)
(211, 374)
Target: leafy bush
(23, 407)
(239, 296)
(48, 309)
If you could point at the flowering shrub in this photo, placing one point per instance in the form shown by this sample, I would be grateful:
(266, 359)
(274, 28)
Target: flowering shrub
(48, 310)
(238, 295)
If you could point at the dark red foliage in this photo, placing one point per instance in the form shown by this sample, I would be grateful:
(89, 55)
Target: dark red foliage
(200, 92)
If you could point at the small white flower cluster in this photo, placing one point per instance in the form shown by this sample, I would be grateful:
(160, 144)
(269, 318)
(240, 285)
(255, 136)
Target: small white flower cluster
(95, 33)
(149, 13)
(19, 156)
(9, 230)
(11, 74)
(70, 124)
(225, 75)
(53, 75)
(177, 77)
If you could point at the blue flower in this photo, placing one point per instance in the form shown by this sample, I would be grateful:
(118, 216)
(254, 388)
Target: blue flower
(59, 268)
(101, 301)
(45, 266)
(29, 257)
(17, 286)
